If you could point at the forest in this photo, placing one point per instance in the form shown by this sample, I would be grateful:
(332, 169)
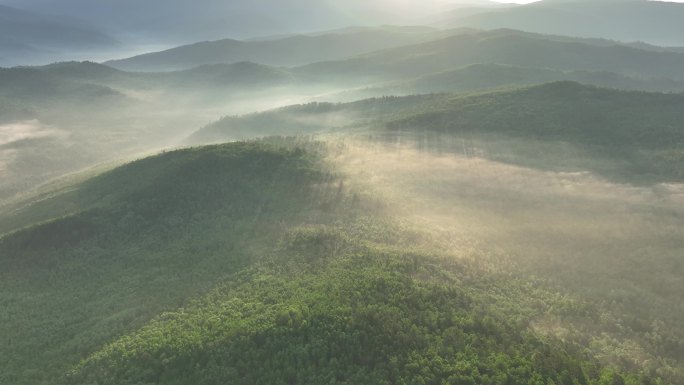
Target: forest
(299, 192)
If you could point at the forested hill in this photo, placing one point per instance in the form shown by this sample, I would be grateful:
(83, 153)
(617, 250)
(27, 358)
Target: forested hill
(501, 47)
(482, 77)
(101, 258)
(253, 263)
(634, 136)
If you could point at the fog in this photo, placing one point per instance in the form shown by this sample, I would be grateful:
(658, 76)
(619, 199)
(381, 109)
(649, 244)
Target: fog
(66, 136)
(613, 243)
(538, 163)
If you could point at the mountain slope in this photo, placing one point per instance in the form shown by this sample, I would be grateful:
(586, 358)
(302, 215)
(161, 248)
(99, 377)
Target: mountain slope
(288, 51)
(64, 117)
(480, 77)
(253, 262)
(114, 251)
(656, 22)
(27, 35)
(499, 47)
(638, 134)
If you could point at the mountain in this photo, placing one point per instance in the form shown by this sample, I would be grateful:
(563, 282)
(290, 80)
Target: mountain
(237, 183)
(480, 77)
(500, 47)
(288, 51)
(57, 83)
(633, 136)
(26, 37)
(655, 22)
(80, 99)
(266, 263)
(179, 22)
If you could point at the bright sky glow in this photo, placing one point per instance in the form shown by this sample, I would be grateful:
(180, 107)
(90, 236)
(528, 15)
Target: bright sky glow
(534, 1)
(517, 1)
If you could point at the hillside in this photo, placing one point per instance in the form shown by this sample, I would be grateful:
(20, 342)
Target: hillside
(480, 77)
(137, 232)
(499, 47)
(39, 87)
(265, 262)
(288, 51)
(303, 192)
(64, 117)
(631, 135)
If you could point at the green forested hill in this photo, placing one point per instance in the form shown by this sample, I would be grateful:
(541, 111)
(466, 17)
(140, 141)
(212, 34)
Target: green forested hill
(253, 263)
(138, 241)
(631, 135)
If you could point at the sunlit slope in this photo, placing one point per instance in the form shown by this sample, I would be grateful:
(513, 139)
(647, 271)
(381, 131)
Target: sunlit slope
(64, 117)
(351, 305)
(140, 240)
(401, 286)
(625, 135)
(291, 261)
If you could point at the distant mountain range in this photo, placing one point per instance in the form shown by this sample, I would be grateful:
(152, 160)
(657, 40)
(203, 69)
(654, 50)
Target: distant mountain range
(391, 53)
(180, 21)
(502, 47)
(477, 77)
(656, 22)
(25, 36)
(40, 31)
(286, 51)
(79, 96)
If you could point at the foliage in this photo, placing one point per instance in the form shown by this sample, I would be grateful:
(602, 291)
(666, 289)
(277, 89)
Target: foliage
(626, 136)
(140, 240)
(323, 309)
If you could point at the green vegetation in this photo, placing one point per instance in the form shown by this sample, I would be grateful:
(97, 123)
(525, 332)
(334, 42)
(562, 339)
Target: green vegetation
(627, 136)
(331, 308)
(312, 118)
(636, 136)
(256, 263)
(493, 222)
(139, 240)
(480, 77)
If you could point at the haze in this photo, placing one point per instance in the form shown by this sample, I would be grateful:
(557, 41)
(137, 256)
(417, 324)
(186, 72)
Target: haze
(325, 192)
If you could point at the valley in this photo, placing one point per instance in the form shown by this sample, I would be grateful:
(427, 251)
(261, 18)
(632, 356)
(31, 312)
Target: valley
(359, 193)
